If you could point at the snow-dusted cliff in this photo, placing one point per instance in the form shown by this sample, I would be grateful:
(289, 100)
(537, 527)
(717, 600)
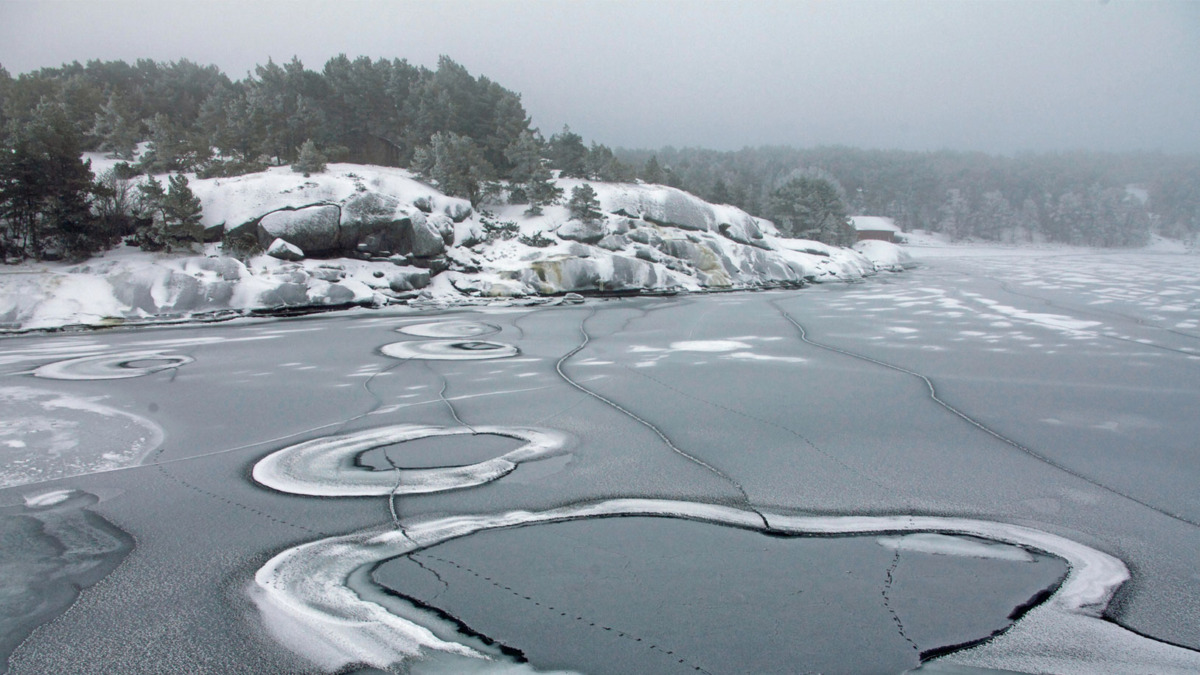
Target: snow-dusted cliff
(373, 236)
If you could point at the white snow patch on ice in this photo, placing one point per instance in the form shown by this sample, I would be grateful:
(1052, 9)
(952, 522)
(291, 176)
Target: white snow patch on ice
(326, 467)
(51, 498)
(942, 544)
(751, 356)
(709, 346)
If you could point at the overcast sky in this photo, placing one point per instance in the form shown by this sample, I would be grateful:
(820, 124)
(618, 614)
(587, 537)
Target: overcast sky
(991, 76)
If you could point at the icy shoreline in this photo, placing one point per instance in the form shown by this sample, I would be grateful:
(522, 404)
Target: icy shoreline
(375, 236)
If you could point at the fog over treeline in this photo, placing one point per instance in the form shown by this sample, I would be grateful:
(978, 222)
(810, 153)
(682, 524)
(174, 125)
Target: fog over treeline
(1083, 198)
(473, 138)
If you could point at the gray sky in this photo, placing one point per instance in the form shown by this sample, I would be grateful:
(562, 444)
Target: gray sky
(991, 76)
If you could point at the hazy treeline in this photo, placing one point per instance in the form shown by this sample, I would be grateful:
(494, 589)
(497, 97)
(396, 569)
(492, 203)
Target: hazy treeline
(1086, 198)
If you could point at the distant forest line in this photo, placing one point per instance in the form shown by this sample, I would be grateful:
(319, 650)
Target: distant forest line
(473, 138)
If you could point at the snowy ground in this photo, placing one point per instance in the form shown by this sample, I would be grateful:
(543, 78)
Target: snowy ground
(1008, 415)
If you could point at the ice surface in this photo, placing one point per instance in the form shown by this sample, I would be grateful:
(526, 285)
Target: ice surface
(46, 435)
(847, 436)
(54, 548)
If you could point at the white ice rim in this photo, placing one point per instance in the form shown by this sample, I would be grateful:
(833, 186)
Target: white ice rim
(449, 350)
(326, 466)
(449, 329)
(317, 599)
(111, 366)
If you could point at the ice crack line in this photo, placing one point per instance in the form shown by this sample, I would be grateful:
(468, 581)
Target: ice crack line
(760, 420)
(394, 496)
(616, 406)
(231, 502)
(449, 405)
(981, 426)
(565, 615)
(889, 578)
(412, 557)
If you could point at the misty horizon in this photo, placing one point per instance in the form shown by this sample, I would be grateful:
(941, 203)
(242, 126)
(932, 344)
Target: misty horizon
(997, 78)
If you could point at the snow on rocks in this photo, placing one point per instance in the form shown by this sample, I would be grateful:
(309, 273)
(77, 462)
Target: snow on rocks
(885, 255)
(312, 228)
(397, 239)
(285, 251)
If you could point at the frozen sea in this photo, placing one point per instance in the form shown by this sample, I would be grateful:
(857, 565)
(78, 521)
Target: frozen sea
(988, 461)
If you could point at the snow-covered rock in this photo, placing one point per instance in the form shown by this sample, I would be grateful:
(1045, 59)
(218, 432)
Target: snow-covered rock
(387, 237)
(587, 232)
(885, 255)
(408, 279)
(284, 250)
(312, 228)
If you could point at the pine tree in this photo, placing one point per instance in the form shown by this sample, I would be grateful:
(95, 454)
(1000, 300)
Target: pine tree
(182, 208)
(810, 207)
(311, 159)
(583, 204)
(115, 130)
(456, 164)
(174, 215)
(720, 193)
(534, 182)
(568, 154)
(45, 188)
(652, 172)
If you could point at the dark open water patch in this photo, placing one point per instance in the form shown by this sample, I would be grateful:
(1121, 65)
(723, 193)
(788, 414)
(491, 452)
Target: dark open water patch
(664, 595)
(50, 549)
(438, 451)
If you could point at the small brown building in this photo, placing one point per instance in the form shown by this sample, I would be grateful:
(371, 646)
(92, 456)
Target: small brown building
(877, 228)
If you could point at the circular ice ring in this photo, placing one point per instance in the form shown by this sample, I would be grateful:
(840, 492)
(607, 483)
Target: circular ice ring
(450, 329)
(314, 582)
(449, 350)
(327, 467)
(111, 366)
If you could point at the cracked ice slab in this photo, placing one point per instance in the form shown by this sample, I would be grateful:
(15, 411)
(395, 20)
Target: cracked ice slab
(305, 602)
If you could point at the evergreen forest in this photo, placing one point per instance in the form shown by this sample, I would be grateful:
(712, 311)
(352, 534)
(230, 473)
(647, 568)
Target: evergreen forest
(473, 138)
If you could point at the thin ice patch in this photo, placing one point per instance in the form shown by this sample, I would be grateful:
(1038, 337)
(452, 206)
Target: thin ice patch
(113, 366)
(449, 329)
(449, 350)
(46, 436)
